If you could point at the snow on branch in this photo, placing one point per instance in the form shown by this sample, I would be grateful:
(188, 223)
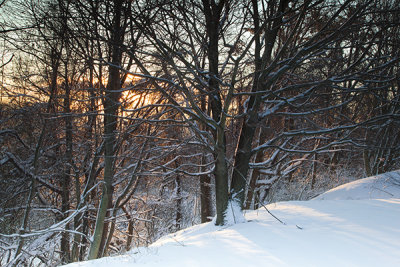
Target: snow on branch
(17, 163)
(57, 227)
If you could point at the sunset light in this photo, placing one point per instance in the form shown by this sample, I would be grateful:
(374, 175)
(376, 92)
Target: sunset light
(215, 133)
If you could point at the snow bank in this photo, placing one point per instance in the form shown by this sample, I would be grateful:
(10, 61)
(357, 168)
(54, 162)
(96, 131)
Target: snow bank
(233, 214)
(382, 186)
(335, 232)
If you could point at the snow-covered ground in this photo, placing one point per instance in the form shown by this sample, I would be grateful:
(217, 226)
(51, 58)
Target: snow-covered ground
(356, 224)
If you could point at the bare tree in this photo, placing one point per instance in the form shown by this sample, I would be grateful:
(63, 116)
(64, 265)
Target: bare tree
(278, 39)
(122, 112)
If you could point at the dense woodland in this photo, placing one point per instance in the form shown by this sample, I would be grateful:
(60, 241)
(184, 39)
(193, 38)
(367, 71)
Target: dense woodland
(121, 121)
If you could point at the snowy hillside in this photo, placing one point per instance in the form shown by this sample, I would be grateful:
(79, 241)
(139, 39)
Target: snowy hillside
(386, 185)
(357, 224)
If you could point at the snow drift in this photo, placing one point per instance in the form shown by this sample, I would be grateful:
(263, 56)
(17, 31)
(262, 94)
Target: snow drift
(363, 231)
(386, 185)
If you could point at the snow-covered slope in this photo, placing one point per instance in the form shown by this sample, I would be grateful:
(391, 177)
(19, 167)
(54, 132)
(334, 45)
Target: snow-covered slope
(386, 185)
(339, 232)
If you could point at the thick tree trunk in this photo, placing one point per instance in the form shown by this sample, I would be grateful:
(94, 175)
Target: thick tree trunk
(243, 150)
(205, 197)
(212, 12)
(255, 175)
(242, 160)
(221, 178)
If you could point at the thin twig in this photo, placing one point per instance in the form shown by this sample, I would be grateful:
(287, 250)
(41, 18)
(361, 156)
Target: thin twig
(272, 214)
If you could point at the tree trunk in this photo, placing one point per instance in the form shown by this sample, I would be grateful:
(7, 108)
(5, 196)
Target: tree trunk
(205, 181)
(130, 229)
(243, 150)
(314, 171)
(242, 160)
(205, 197)
(254, 177)
(178, 193)
(212, 12)
(111, 105)
(221, 178)
(66, 180)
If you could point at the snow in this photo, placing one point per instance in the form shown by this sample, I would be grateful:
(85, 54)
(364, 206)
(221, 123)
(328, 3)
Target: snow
(356, 224)
(386, 185)
(233, 214)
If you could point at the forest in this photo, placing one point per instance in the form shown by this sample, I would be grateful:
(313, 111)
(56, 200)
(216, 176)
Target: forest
(124, 120)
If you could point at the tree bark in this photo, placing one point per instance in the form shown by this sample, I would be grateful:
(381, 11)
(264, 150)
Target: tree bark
(178, 192)
(205, 180)
(243, 149)
(212, 12)
(205, 197)
(66, 180)
(221, 178)
(255, 174)
(111, 105)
